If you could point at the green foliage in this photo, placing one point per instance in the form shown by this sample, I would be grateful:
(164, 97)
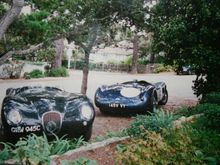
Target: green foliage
(2, 9)
(211, 117)
(152, 148)
(208, 144)
(186, 111)
(36, 73)
(154, 122)
(197, 143)
(182, 30)
(32, 149)
(45, 55)
(162, 68)
(33, 28)
(127, 61)
(62, 145)
(57, 72)
(6, 151)
(80, 161)
(213, 98)
(35, 149)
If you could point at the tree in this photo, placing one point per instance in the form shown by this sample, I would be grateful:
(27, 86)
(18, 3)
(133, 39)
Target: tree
(188, 32)
(10, 16)
(134, 14)
(84, 22)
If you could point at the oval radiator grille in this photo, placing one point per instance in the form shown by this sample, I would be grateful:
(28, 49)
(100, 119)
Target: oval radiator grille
(51, 122)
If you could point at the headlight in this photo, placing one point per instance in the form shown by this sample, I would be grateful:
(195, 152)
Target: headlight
(14, 116)
(87, 112)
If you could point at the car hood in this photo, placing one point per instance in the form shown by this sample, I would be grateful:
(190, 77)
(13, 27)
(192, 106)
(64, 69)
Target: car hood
(41, 100)
(127, 90)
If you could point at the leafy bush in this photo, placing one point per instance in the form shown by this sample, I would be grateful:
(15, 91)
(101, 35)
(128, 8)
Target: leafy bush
(127, 61)
(57, 72)
(154, 122)
(185, 111)
(162, 68)
(6, 151)
(32, 149)
(208, 143)
(36, 149)
(152, 148)
(213, 98)
(210, 117)
(36, 73)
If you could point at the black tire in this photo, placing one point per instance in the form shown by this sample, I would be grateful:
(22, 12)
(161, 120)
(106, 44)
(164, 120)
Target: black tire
(153, 103)
(164, 99)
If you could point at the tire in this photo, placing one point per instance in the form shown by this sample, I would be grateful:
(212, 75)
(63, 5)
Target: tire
(153, 104)
(164, 99)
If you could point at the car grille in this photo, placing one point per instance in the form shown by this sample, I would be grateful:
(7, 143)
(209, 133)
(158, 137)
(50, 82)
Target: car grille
(51, 122)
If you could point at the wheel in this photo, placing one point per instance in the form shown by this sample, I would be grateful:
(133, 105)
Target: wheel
(153, 103)
(164, 99)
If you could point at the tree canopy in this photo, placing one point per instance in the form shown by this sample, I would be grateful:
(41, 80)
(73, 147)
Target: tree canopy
(188, 32)
(87, 23)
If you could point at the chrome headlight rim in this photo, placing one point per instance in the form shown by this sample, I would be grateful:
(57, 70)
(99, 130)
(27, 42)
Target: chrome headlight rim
(14, 117)
(86, 112)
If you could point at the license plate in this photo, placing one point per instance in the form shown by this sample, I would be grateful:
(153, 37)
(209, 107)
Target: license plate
(117, 105)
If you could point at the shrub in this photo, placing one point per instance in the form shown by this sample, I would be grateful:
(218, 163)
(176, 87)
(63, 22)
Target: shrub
(185, 111)
(57, 72)
(211, 116)
(36, 73)
(162, 68)
(152, 148)
(155, 122)
(5, 152)
(208, 143)
(213, 98)
(36, 149)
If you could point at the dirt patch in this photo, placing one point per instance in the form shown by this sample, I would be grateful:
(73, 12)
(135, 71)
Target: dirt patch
(103, 124)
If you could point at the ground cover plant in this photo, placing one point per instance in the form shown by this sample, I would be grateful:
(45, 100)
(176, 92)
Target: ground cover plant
(57, 72)
(156, 141)
(37, 149)
(54, 72)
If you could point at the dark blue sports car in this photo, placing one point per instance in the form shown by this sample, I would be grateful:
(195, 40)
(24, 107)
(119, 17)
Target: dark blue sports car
(131, 97)
(50, 110)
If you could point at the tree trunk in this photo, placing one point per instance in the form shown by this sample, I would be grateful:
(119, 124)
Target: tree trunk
(87, 50)
(10, 16)
(152, 58)
(85, 74)
(134, 65)
(59, 46)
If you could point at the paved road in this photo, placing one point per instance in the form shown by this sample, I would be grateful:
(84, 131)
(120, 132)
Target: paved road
(179, 87)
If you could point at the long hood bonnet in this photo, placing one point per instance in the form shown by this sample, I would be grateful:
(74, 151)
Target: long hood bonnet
(40, 100)
(132, 87)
